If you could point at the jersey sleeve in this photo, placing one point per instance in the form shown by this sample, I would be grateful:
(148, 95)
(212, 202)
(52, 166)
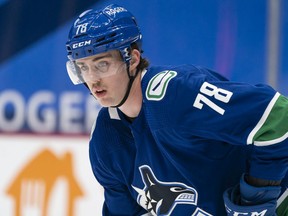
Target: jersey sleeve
(118, 200)
(235, 113)
(248, 115)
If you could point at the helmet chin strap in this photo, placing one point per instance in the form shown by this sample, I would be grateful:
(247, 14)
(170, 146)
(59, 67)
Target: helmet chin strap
(131, 80)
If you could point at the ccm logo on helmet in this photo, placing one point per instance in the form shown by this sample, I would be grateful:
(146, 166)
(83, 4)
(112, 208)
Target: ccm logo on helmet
(81, 44)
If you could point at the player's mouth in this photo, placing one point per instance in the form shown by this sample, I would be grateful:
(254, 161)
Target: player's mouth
(100, 93)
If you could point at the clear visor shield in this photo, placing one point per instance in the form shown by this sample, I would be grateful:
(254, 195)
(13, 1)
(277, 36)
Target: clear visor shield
(81, 73)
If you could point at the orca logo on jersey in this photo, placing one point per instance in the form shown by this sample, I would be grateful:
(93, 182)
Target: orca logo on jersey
(160, 198)
(157, 86)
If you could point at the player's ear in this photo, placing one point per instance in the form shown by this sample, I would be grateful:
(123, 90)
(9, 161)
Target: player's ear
(135, 59)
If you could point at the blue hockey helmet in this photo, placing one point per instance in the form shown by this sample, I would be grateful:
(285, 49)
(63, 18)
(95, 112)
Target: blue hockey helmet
(97, 31)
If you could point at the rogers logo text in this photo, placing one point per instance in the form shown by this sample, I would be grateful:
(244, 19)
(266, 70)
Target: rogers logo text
(113, 11)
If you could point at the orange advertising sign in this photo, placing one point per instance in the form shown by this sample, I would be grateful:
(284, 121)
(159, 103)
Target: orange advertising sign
(34, 187)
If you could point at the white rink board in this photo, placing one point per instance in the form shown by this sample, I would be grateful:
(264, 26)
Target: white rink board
(56, 166)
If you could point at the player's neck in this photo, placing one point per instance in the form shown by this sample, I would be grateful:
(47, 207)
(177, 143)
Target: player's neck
(133, 104)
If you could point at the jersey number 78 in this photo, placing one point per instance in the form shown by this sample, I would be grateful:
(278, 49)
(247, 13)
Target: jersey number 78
(207, 93)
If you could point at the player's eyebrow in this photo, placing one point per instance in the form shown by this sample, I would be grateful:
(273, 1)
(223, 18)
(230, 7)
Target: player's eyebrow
(96, 58)
(106, 55)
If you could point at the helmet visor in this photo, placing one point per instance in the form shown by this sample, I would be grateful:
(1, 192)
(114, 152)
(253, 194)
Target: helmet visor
(82, 72)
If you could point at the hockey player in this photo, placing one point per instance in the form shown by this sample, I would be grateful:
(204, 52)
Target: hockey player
(176, 140)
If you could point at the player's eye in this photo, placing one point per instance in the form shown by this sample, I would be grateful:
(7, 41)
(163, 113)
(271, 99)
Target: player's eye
(83, 68)
(102, 66)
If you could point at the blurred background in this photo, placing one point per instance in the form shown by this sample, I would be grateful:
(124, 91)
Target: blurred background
(45, 121)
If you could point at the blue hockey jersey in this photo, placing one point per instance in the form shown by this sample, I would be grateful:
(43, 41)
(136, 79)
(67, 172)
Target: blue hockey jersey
(195, 135)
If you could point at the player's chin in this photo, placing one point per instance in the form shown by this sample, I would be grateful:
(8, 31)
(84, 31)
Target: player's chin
(103, 104)
(106, 102)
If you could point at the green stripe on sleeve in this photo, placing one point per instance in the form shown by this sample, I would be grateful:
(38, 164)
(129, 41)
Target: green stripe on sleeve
(282, 209)
(275, 127)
